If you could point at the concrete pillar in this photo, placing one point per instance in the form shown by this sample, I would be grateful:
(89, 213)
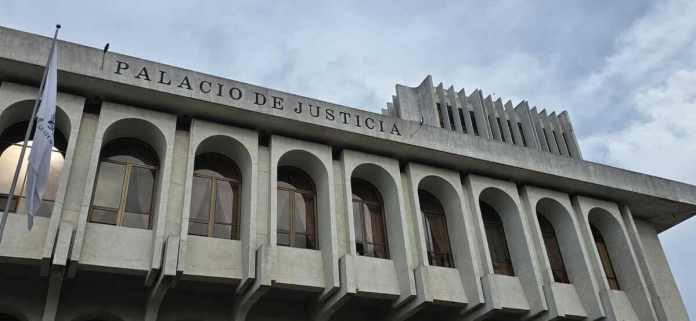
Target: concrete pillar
(476, 100)
(489, 111)
(466, 107)
(58, 268)
(455, 105)
(442, 100)
(513, 119)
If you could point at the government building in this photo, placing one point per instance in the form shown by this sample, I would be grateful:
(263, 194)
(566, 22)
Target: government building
(180, 196)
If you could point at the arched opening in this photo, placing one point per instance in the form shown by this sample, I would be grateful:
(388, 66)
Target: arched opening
(13, 125)
(125, 184)
(296, 209)
(11, 142)
(369, 224)
(605, 258)
(497, 243)
(215, 197)
(436, 231)
(553, 250)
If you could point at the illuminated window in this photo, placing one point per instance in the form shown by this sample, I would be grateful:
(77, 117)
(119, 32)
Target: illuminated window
(125, 184)
(368, 213)
(215, 200)
(296, 209)
(11, 146)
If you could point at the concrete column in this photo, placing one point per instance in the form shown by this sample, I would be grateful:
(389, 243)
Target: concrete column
(417, 103)
(455, 104)
(58, 268)
(489, 111)
(528, 131)
(553, 120)
(476, 100)
(165, 280)
(513, 117)
(659, 279)
(502, 117)
(444, 115)
(465, 106)
(572, 141)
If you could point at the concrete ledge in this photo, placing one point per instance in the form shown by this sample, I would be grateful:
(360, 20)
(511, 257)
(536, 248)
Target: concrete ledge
(445, 286)
(213, 258)
(117, 247)
(566, 301)
(298, 268)
(375, 277)
(18, 243)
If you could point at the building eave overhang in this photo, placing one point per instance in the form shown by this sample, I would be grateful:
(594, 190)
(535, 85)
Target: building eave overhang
(22, 55)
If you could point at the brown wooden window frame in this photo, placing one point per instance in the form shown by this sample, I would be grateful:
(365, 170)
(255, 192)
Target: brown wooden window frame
(605, 259)
(235, 183)
(443, 258)
(363, 244)
(548, 233)
(492, 221)
(128, 170)
(310, 234)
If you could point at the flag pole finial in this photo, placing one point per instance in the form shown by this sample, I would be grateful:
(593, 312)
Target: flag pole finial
(58, 26)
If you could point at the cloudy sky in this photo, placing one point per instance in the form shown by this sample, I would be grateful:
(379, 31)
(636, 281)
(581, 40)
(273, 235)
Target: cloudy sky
(625, 70)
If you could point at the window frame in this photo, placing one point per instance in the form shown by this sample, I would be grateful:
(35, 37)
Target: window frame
(236, 206)
(559, 275)
(125, 184)
(441, 215)
(605, 259)
(499, 267)
(380, 205)
(314, 236)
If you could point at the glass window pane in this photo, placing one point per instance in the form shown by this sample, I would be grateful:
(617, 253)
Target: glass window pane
(223, 231)
(103, 216)
(301, 241)
(300, 215)
(196, 228)
(378, 228)
(439, 235)
(358, 221)
(224, 202)
(283, 238)
(136, 220)
(380, 251)
(109, 185)
(140, 188)
(200, 199)
(283, 210)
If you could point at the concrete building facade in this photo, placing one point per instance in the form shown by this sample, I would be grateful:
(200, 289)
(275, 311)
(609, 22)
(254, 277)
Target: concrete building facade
(177, 195)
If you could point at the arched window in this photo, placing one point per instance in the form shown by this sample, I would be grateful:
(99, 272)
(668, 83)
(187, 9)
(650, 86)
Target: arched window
(497, 244)
(436, 235)
(368, 214)
(605, 258)
(10, 146)
(553, 250)
(125, 184)
(296, 209)
(215, 197)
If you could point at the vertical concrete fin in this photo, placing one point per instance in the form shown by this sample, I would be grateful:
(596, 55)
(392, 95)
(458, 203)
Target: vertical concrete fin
(525, 121)
(571, 139)
(417, 103)
(442, 110)
(501, 121)
(455, 106)
(489, 111)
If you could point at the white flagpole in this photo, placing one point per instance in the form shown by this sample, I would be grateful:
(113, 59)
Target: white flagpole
(10, 196)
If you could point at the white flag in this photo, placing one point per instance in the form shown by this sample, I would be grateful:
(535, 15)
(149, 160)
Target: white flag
(40, 155)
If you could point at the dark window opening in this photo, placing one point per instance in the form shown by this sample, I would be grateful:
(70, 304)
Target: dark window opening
(461, 120)
(473, 123)
(546, 138)
(555, 138)
(524, 140)
(450, 114)
(436, 232)
(512, 133)
(497, 243)
(439, 115)
(605, 258)
(500, 127)
(553, 250)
